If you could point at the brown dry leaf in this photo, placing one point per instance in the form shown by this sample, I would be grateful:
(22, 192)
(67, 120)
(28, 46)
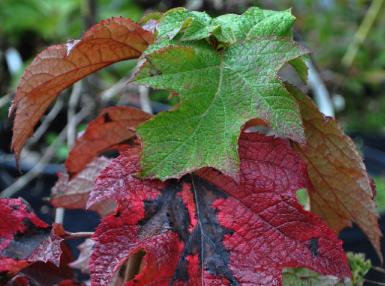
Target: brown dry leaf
(342, 192)
(113, 125)
(59, 66)
(73, 194)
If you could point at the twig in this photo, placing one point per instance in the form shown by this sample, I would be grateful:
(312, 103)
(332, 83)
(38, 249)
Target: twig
(362, 32)
(71, 133)
(321, 94)
(378, 269)
(77, 235)
(46, 122)
(73, 103)
(119, 87)
(35, 171)
(374, 282)
(144, 99)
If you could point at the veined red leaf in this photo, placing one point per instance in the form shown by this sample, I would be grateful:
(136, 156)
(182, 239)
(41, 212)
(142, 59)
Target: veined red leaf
(24, 238)
(342, 188)
(114, 125)
(73, 193)
(59, 66)
(199, 230)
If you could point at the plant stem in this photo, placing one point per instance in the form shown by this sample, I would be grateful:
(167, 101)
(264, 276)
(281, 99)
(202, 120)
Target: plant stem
(77, 235)
(362, 32)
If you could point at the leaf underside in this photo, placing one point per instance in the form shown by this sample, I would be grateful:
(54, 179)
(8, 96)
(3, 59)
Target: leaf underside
(342, 191)
(113, 126)
(73, 193)
(207, 229)
(58, 67)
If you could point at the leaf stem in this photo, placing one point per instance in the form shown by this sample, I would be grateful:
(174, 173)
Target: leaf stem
(362, 32)
(77, 235)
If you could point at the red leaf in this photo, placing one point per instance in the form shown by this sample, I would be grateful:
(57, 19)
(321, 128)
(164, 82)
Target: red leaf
(43, 274)
(58, 67)
(24, 238)
(113, 126)
(207, 229)
(342, 192)
(74, 193)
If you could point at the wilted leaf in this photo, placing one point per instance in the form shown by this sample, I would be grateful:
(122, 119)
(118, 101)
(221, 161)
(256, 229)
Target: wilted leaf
(342, 192)
(207, 229)
(220, 92)
(24, 238)
(57, 67)
(74, 193)
(114, 125)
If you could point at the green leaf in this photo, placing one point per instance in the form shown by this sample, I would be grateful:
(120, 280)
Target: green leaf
(195, 25)
(220, 91)
(228, 28)
(300, 67)
(255, 22)
(359, 266)
(306, 277)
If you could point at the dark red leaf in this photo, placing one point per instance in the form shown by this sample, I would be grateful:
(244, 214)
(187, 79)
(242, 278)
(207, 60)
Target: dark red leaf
(74, 193)
(43, 274)
(113, 126)
(58, 67)
(207, 229)
(24, 238)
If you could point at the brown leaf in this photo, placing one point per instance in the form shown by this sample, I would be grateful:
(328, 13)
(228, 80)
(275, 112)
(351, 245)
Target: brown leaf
(59, 66)
(74, 193)
(114, 125)
(342, 192)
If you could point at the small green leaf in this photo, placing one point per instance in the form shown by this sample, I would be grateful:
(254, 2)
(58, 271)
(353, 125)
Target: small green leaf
(255, 22)
(195, 25)
(220, 91)
(359, 266)
(228, 28)
(306, 277)
(300, 67)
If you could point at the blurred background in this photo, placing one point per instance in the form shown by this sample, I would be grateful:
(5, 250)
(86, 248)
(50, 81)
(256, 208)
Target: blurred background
(347, 80)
